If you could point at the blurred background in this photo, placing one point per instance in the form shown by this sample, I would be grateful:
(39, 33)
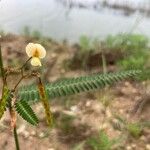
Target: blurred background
(82, 37)
(69, 19)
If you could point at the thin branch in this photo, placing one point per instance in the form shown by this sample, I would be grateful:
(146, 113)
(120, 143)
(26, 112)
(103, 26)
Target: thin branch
(16, 139)
(18, 83)
(32, 74)
(1, 66)
(25, 64)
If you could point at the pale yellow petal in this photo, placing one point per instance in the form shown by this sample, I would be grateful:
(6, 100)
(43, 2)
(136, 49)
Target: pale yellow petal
(35, 61)
(41, 50)
(30, 49)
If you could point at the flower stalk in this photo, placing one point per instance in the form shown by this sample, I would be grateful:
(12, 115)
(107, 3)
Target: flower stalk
(45, 102)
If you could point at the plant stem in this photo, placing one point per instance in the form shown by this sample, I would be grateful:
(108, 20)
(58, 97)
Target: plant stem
(16, 139)
(25, 63)
(13, 121)
(18, 83)
(104, 63)
(1, 66)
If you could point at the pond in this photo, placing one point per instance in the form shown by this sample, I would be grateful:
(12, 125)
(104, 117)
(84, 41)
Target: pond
(52, 18)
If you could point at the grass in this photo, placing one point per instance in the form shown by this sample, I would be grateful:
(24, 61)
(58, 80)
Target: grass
(132, 129)
(101, 141)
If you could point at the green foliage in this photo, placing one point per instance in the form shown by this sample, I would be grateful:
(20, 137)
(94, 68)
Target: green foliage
(2, 32)
(127, 42)
(26, 112)
(137, 62)
(26, 31)
(133, 62)
(81, 56)
(134, 129)
(34, 34)
(85, 43)
(75, 85)
(3, 101)
(135, 49)
(101, 142)
(1, 64)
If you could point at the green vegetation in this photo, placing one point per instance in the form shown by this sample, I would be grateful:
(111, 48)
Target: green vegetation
(136, 52)
(71, 86)
(85, 43)
(26, 112)
(128, 43)
(33, 34)
(133, 129)
(127, 51)
(101, 142)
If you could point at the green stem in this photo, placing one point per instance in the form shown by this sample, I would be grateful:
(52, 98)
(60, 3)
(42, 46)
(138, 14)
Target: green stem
(1, 66)
(16, 139)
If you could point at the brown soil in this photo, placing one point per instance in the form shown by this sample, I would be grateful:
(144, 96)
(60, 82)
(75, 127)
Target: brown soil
(79, 117)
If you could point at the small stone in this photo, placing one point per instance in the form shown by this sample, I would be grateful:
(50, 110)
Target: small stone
(129, 148)
(41, 135)
(127, 83)
(33, 133)
(108, 113)
(21, 129)
(62, 71)
(71, 113)
(30, 137)
(104, 126)
(134, 146)
(88, 104)
(134, 90)
(74, 108)
(143, 138)
(148, 147)
(50, 149)
(53, 55)
(121, 111)
(26, 134)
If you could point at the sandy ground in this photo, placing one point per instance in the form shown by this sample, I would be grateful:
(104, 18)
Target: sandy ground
(77, 117)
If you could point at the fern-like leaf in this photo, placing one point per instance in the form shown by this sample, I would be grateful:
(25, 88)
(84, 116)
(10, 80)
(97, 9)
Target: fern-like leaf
(26, 112)
(75, 85)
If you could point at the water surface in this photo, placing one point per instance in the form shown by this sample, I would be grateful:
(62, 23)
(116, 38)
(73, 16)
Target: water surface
(55, 20)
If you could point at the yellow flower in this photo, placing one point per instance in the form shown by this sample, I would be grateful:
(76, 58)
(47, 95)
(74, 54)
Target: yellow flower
(37, 52)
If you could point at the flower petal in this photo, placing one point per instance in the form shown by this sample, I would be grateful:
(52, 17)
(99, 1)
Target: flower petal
(35, 61)
(30, 49)
(41, 50)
